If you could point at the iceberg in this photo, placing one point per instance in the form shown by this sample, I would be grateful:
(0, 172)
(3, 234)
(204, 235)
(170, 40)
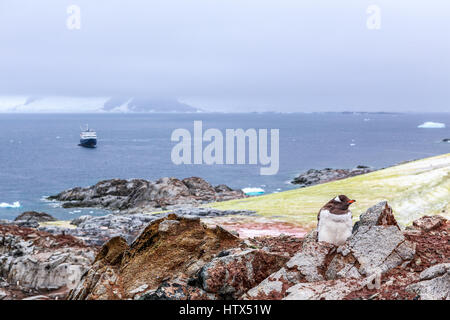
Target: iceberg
(432, 125)
(253, 191)
(10, 205)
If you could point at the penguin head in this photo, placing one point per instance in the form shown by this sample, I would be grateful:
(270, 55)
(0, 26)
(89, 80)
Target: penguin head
(342, 202)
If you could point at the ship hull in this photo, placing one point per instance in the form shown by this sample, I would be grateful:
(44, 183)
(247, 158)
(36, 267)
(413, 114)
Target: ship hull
(88, 143)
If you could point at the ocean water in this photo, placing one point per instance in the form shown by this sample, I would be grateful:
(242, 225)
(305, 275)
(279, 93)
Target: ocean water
(39, 155)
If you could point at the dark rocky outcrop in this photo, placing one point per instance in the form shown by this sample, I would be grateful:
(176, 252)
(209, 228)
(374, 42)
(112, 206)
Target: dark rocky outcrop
(36, 216)
(29, 219)
(139, 194)
(314, 176)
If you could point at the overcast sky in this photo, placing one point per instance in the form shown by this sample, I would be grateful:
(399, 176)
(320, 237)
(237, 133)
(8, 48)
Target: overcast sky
(285, 55)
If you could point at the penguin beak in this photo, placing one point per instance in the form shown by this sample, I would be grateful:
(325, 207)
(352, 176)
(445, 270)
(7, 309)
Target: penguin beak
(351, 201)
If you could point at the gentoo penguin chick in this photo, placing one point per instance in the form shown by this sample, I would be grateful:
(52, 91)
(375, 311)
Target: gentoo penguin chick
(335, 221)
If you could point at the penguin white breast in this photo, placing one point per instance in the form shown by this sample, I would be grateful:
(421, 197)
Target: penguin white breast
(334, 228)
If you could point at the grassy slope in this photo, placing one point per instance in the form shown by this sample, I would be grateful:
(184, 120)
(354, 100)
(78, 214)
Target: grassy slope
(412, 189)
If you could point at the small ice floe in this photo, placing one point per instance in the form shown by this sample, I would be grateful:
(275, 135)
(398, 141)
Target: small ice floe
(432, 125)
(366, 119)
(352, 144)
(253, 191)
(10, 205)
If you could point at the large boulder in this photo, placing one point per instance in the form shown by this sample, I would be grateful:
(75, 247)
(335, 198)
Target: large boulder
(167, 249)
(377, 246)
(35, 216)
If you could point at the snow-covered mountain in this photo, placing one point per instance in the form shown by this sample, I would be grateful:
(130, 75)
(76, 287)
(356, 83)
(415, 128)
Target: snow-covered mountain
(60, 104)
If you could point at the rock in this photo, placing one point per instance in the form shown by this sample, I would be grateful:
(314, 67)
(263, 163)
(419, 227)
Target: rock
(314, 176)
(221, 188)
(129, 195)
(435, 271)
(27, 224)
(3, 294)
(168, 226)
(112, 252)
(177, 290)
(324, 290)
(377, 246)
(199, 187)
(210, 212)
(428, 223)
(306, 265)
(139, 289)
(434, 284)
(35, 261)
(274, 287)
(155, 256)
(312, 236)
(231, 275)
(285, 245)
(309, 261)
(379, 215)
(39, 297)
(80, 220)
(371, 250)
(35, 216)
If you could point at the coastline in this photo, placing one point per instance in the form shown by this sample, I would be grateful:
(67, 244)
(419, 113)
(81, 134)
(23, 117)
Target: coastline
(181, 252)
(294, 212)
(413, 188)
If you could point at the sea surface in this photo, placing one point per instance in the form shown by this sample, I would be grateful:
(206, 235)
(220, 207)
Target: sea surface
(40, 156)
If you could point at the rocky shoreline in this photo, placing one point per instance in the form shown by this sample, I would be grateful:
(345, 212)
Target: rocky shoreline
(138, 195)
(315, 176)
(178, 256)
